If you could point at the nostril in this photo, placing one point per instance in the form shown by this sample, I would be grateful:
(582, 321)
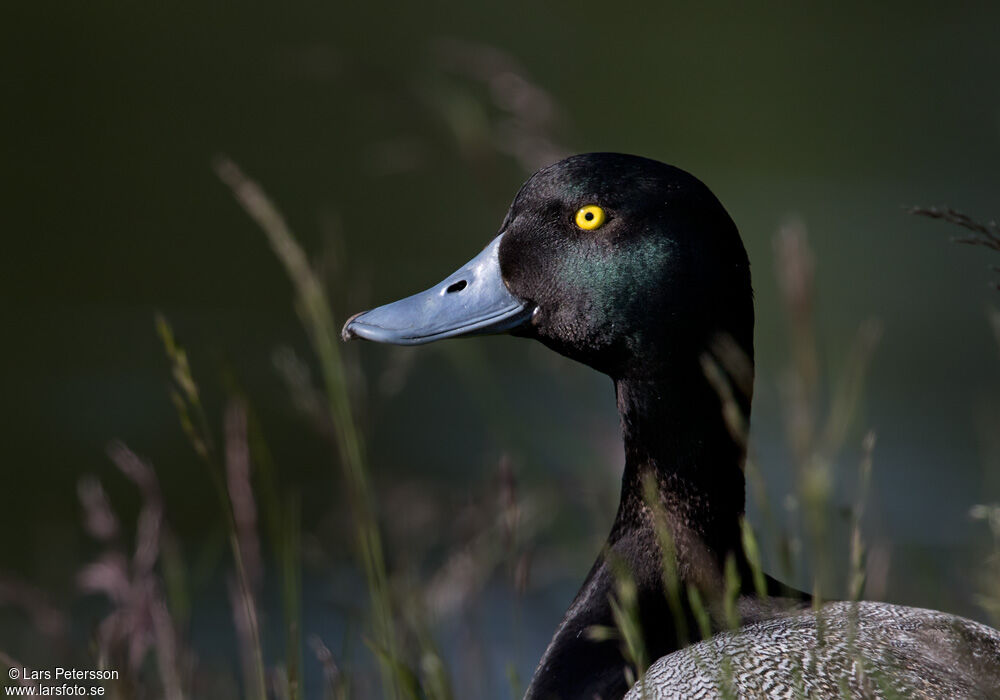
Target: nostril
(457, 287)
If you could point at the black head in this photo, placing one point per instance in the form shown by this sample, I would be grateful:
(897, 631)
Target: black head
(617, 261)
(665, 268)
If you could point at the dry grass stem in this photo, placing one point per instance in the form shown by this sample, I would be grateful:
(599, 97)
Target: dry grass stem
(318, 319)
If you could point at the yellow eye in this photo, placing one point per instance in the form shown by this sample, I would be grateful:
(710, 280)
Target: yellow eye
(590, 217)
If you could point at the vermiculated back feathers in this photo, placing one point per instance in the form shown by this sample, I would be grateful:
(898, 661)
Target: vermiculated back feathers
(846, 650)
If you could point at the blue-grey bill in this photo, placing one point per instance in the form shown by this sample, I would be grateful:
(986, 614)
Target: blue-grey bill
(472, 301)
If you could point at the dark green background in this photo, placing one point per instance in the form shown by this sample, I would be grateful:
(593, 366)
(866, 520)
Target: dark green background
(380, 154)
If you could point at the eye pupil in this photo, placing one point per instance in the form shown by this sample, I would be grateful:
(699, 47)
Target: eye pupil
(589, 216)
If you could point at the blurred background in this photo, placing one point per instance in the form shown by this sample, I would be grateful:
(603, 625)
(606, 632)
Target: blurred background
(392, 140)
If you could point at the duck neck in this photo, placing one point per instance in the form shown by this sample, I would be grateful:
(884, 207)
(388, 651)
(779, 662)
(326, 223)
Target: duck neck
(677, 440)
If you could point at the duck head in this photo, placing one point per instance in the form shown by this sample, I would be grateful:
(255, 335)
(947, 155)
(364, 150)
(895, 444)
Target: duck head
(616, 261)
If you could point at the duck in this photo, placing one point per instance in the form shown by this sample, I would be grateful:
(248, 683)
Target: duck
(634, 268)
